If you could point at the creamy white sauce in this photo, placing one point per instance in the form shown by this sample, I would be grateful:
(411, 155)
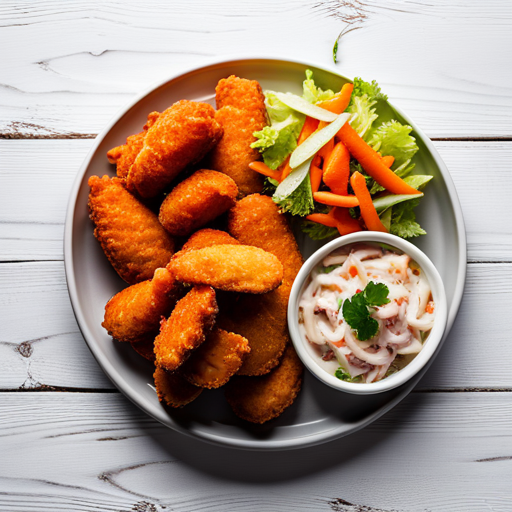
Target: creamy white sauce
(404, 322)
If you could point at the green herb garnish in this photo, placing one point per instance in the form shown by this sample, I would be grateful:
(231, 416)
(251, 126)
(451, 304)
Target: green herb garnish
(326, 270)
(356, 311)
(341, 374)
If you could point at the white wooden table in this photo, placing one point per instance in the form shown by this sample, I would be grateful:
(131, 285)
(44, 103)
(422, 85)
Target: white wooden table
(68, 439)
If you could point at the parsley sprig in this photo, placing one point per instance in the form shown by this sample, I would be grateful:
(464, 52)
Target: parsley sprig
(357, 313)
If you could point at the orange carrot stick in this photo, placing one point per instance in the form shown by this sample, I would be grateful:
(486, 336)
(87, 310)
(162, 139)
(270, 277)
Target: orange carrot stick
(368, 211)
(335, 199)
(315, 174)
(340, 101)
(371, 162)
(322, 218)
(337, 169)
(310, 125)
(265, 170)
(388, 160)
(285, 169)
(344, 222)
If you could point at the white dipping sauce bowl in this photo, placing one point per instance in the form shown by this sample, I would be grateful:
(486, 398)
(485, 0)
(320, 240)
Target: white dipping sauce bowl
(312, 361)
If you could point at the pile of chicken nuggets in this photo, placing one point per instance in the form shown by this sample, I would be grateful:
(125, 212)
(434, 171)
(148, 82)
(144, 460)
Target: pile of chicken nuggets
(212, 313)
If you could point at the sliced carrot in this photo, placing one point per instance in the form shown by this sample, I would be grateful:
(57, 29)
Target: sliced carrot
(372, 163)
(337, 169)
(265, 170)
(326, 150)
(344, 222)
(388, 160)
(340, 101)
(310, 125)
(335, 199)
(315, 174)
(368, 211)
(285, 169)
(322, 218)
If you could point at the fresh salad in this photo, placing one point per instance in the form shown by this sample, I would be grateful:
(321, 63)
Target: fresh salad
(331, 162)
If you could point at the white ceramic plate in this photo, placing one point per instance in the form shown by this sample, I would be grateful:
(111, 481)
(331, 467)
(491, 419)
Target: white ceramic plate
(319, 413)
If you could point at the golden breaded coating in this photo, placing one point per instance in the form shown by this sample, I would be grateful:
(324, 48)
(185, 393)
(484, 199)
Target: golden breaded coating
(192, 318)
(145, 348)
(232, 268)
(206, 238)
(181, 135)
(173, 389)
(133, 240)
(259, 399)
(262, 320)
(196, 201)
(241, 112)
(124, 156)
(216, 360)
(136, 311)
(255, 220)
(240, 93)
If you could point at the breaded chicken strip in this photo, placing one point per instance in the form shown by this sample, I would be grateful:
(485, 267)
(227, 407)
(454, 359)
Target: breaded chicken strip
(133, 240)
(196, 201)
(173, 389)
(262, 320)
(216, 360)
(189, 323)
(259, 399)
(241, 112)
(124, 156)
(255, 220)
(232, 268)
(181, 135)
(206, 238)
(135, 312)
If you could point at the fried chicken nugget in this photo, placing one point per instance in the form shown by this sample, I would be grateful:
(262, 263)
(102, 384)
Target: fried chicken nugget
(124, 156)
(135, 312)
(173, 389)
(241, 112)
(255, 220)
(262, 320)
(196, 201)
(232, 268)
(206, 238)
(260, 399)
(181, 135)
(216, 360)
(192, 318)
(133, 240)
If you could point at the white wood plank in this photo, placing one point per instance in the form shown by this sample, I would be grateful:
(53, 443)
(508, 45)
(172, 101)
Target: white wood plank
(441, 452)
(40, 343)
(439, 61)
(36, 177)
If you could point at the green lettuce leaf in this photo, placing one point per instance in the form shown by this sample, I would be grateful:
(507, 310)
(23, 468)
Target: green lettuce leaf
(300, 201)
(311, 92)
(317, 231)
(393, 138)
(403, 220)
(277, 141)
(372, 90)
(363, 115)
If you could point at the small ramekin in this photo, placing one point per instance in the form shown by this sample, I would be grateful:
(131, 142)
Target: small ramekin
(431, 343)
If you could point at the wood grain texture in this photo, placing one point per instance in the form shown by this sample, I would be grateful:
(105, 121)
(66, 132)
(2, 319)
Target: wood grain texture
(36, 177)
(40, 343)
(436, 60)
(442, 452)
